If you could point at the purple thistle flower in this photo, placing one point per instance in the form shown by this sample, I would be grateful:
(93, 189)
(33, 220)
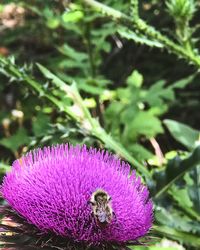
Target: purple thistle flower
(52, 189)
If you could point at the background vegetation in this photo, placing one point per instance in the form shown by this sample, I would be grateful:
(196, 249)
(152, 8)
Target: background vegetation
(121, 75)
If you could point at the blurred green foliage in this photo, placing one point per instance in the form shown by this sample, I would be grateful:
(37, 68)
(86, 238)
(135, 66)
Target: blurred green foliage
(81, 72)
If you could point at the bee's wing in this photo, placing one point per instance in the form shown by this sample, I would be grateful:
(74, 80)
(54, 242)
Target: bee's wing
(102, 217)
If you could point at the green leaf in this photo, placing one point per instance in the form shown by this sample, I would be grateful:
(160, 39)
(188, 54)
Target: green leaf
(41, 124)
(44, 71)
(72, 53)
(73, 16)
(157, 93)
(95, 90)
(144, 124)
(194, 188)
(183, 133)
(181, 196)
(185, 202)
(4, 168)
(138, 38)
(58, 82)
(135, 79)
(176, 219)
(187, 238)
(181, 10)
(53, 23)
(153, 248)
(182, 83)
(175, 170)
(15, 141)
(140, 152)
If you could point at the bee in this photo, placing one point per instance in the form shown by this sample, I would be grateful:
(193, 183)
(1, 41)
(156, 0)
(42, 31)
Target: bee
(101, 207)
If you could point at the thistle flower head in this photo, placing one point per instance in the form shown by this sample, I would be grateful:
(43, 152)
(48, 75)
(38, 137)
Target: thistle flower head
(52, 189)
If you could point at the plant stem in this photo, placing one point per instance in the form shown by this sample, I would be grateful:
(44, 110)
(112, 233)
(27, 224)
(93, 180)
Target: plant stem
(90, 51)
(97, 131)
(15, 73)
(119, 149)
(94, 129)
(143, 27)
(134, 9)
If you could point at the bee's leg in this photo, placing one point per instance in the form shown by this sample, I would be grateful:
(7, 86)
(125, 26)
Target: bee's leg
(90, 203)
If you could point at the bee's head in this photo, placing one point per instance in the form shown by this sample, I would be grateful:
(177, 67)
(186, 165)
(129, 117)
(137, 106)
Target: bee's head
(101, 195)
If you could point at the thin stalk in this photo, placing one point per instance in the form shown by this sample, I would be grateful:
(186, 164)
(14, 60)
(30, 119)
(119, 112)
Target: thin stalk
(134, 9)
(90, 51)
(93, 69)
